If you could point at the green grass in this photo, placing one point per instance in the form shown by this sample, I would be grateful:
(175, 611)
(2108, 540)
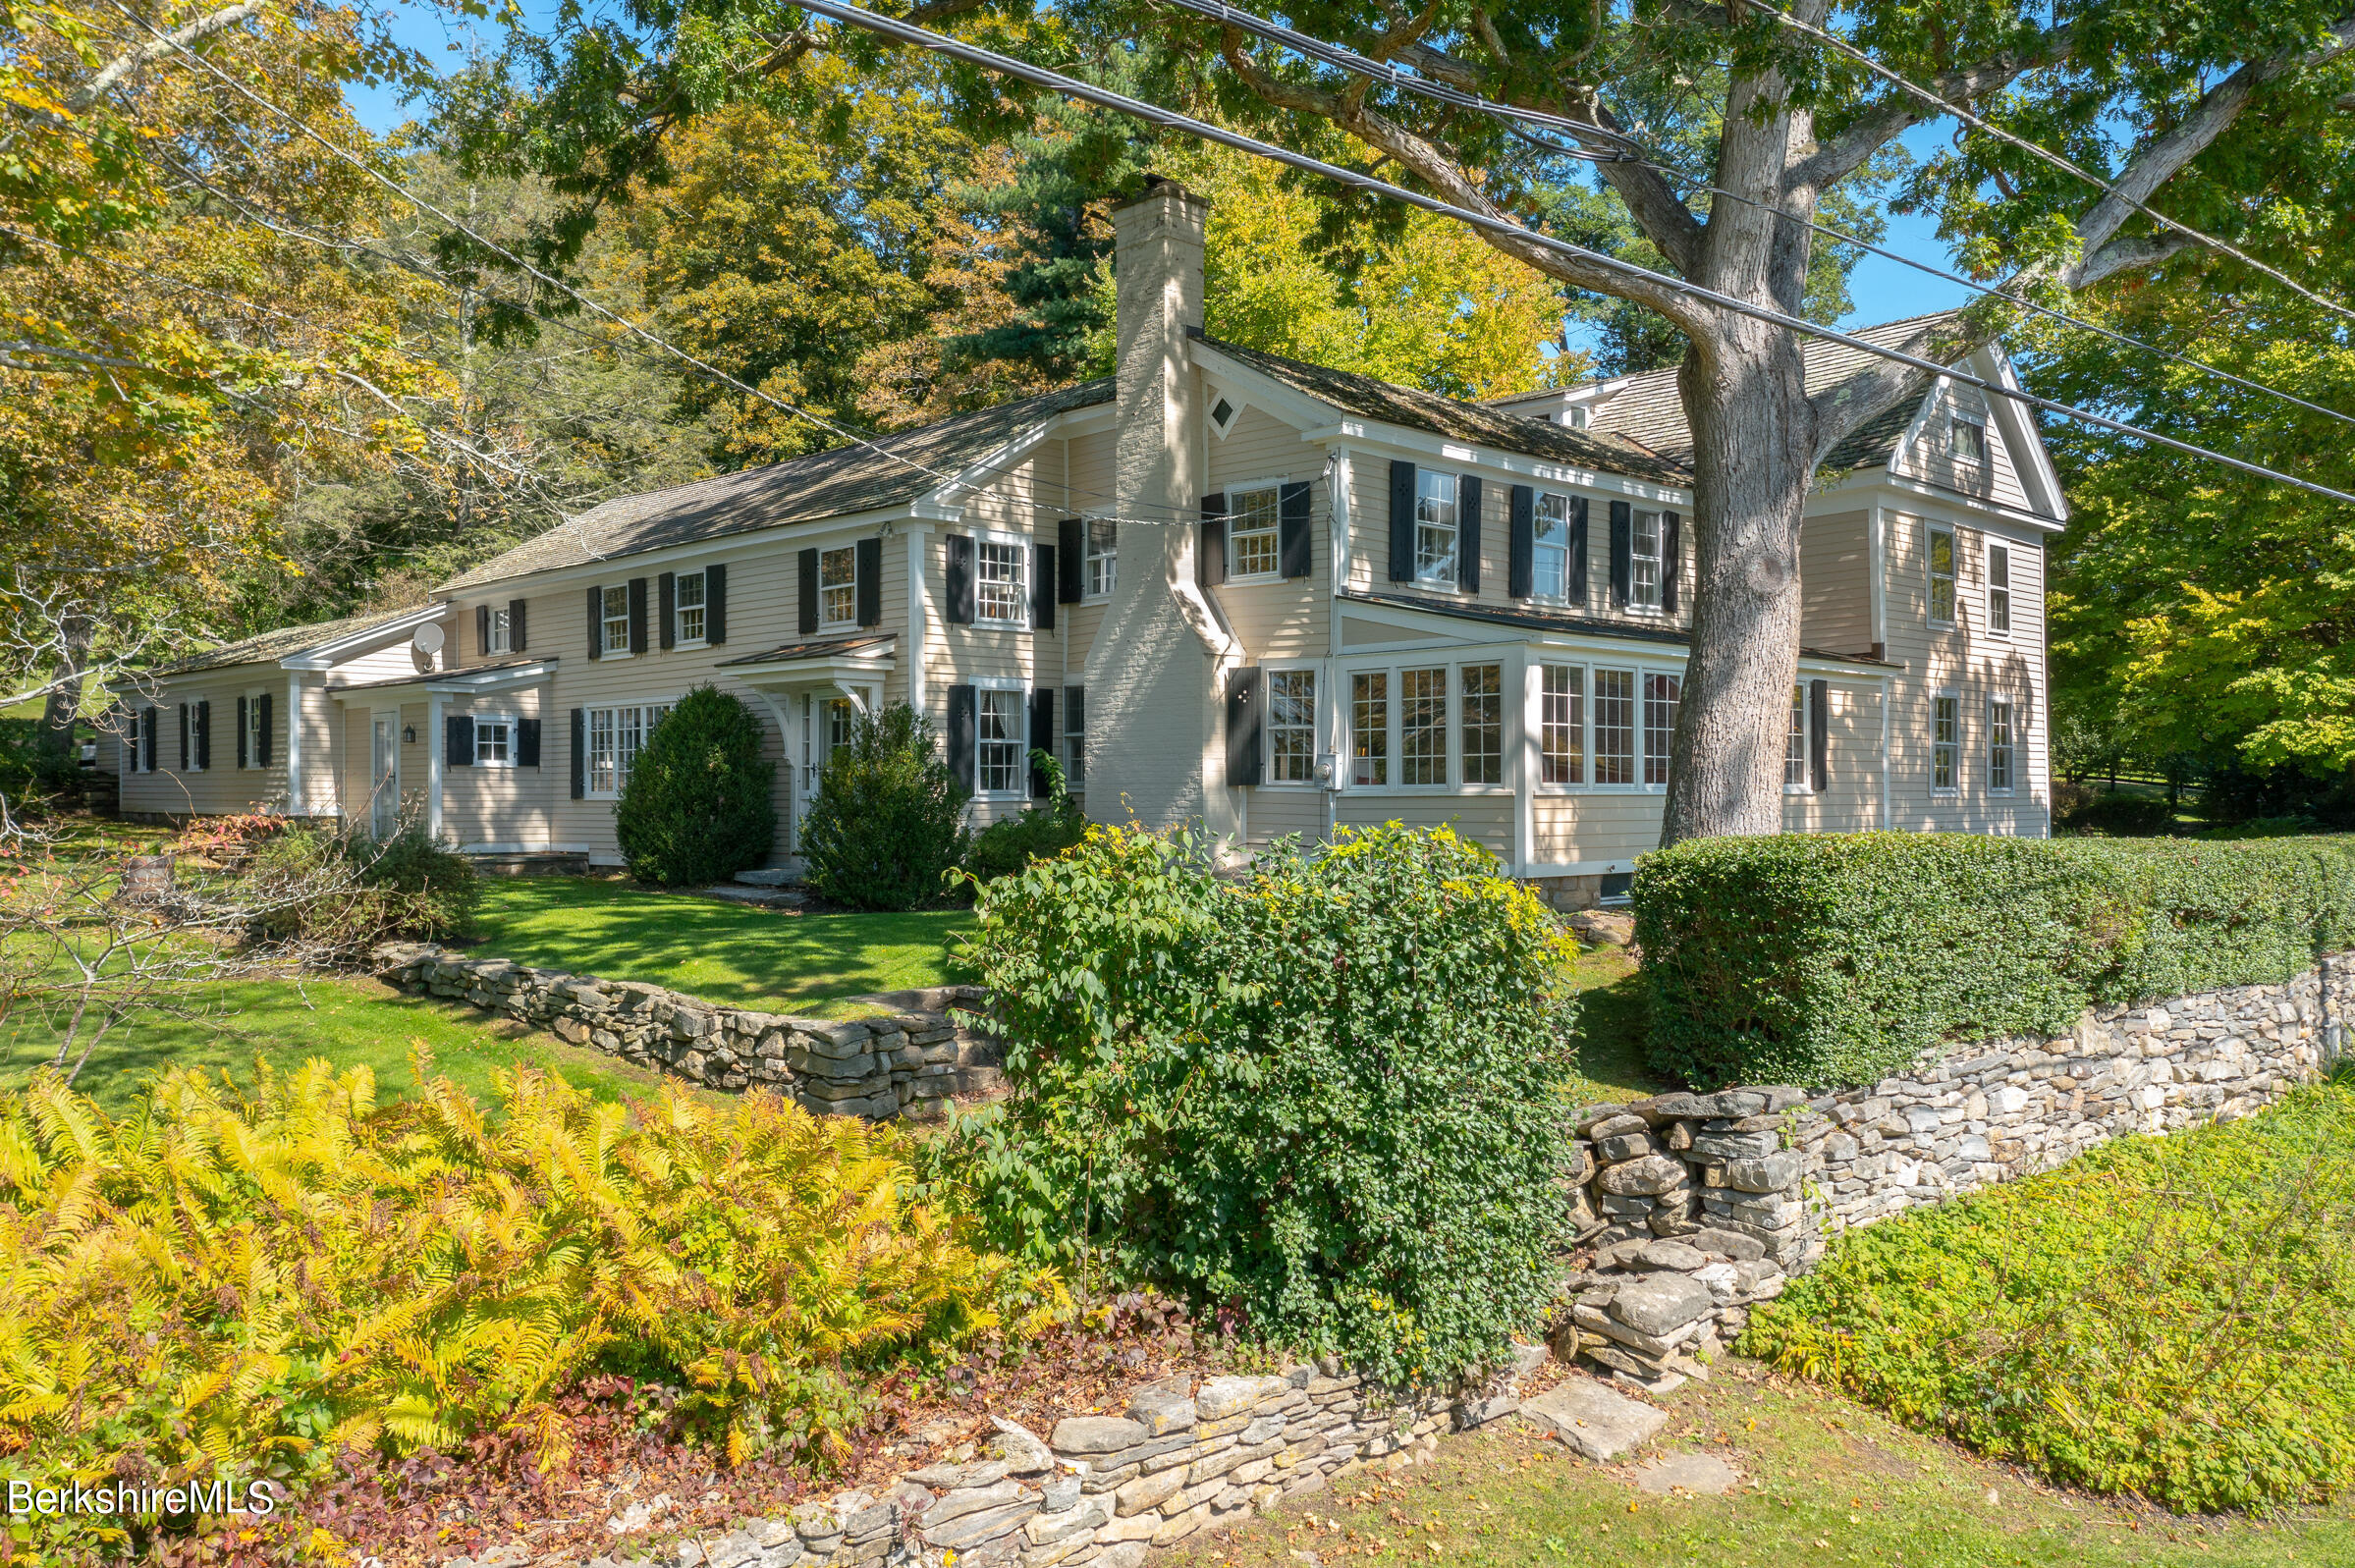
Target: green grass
(1824, 1484)
(722, 952)
(1610, 1031)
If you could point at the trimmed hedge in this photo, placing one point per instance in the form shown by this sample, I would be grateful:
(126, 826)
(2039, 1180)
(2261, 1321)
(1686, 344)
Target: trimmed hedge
(1838, 958)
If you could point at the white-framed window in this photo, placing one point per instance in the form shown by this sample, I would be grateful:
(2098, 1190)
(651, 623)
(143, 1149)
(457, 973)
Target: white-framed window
(1291, 727)
(1435, 529)
(1000, 741)
(1941, 575)
(1999, 589)
(1946, 743)
(1561, 724)
(1369, 729)
(1075, 737)
(1480, 692)
(1615, 726)
(1252, 518)
(1423, 727)
(1966, 440)
(1102, 557)
(1001, 579)
(687, 605)
(1794, 750)
(257, 732)
(494, 740)
(825, 731)
(495, 635)
(613, 619)
(1662, 693)
(1224, 413)
(1999, 743)
(837, 588)
(1550, 546)
(132, 731)
(616, 736)
(1643, 584)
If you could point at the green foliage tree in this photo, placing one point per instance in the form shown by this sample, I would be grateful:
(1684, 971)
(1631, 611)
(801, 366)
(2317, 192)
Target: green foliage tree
(696, 808)
(887, 825)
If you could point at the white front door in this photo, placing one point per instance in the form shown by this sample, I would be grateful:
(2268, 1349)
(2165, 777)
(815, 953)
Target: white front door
(384, 773)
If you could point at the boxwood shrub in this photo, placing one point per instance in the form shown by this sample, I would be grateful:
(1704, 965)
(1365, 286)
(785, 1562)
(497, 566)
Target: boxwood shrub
(1838, 958)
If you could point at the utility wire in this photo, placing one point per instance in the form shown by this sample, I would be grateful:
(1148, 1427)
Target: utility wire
(1276, 32)
(1171, 119)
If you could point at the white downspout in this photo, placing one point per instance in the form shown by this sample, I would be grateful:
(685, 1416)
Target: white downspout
(434, 763)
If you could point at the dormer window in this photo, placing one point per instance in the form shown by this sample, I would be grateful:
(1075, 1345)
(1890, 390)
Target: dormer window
(1222, 415)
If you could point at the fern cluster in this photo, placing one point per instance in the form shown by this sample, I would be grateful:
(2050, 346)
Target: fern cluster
(231, 1284)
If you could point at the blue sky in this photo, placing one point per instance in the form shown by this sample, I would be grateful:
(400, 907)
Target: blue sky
(1882, 291)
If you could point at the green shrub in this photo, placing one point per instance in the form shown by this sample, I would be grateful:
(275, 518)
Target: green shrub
(334, 886)
(1319, 1099)
(696, 807)
(227, 1284)
(2172, 1318)
(2120, 815)
(888, 824)
(1042, 832)
(1838, 958)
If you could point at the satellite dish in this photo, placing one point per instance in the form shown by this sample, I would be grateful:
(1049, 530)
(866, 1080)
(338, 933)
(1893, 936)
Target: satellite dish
(430, 637)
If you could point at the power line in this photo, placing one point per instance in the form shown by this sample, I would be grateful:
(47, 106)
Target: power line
(1171, 119)
(2046, 154)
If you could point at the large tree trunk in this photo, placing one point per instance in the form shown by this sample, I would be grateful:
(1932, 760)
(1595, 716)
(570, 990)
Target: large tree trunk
(1753, 457)
(64, 702)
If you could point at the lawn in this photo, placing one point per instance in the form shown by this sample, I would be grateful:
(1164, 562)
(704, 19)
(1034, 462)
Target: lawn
(1823, 1482)
(1610, 1032)
(724, 953)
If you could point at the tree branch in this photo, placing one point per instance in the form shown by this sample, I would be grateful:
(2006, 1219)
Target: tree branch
(1863, 393)
(122, 65)
(1848, 151)
(2128, 255)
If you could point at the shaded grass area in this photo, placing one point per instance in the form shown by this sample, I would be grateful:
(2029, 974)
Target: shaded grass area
(1612, 1015)
(1823, 1482)
(722, 952)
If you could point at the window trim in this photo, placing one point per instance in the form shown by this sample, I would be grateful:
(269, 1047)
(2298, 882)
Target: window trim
(2011, 744)
(679, 609)
(1658, 558)
(512, 722)
(1089, 593)
(1990, 547)
(1075, 703)
(589, 720)
(606, 647)
(502, 639)
(1958, 420)
(1269, 671)
(1020, 544)
(828, 624)
(1929, 531)
(1452, 581)
(249, 744)
(1234, 412)
(1275, 529)
(1952, 792)
(1021, 691)
(1536, 544)
(1590, 663)
(1584, 729)
(1803, 731)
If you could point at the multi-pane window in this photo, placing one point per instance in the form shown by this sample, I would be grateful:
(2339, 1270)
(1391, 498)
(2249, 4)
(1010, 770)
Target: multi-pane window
(616, 736)
(1075, 736)
(687, 605)
(1794, 751)
(1966, 441)
(257, 732)
(1615, 726)
(494, 742)
(1661, 695)
(837, 588)
(1946, 743)
(1561, 724)
(1643, 583)
(1103, 555)
(1551, 547)
(1483, 696)
(495, 638)
(613, 619)
(1369, 727)
(1422, 726)
(825, 731)
(1999, 588)
(1434, 528)
(998, 583)
(1251, 527)
(998, 742)
(1291, 726)
(1998, 744)
(1941, 575)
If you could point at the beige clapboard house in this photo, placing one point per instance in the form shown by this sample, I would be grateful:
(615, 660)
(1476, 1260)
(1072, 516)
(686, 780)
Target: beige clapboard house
(1221, 585)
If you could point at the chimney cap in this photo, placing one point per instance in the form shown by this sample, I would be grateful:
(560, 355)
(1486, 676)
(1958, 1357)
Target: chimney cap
(1159, 185)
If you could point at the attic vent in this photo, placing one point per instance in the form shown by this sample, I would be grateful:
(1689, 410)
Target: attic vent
(1221, 414)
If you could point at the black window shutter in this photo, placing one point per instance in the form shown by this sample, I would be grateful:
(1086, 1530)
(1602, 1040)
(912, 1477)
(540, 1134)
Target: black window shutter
(1042, 737)
(1244, 689)
(596, 622)
(482, 630)
(1672, 558)
(961, 730)
(1210, 552)
(242, 760)
(183, 736)
(204, 735)
(1467, 533)
(666, 606)
(261, 730)
(715, 603)
(579, 754)
(1578, 551)
(458, 741)
(1818, 732)
(528, 742)
(1623, 552)
(1520, 544)
(1042, 587)
(148, 729)
(959, 557)
(1295, 546)
(515, 626)
(870, 561)
(1401, 522)
(637, 615)
(1070, 548)
(806, 566)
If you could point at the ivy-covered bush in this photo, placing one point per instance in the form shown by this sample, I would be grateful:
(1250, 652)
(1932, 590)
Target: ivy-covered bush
(1045, 829)
(888, 824)
(1837, 959)
(696, 808)
(228, 1285)
(2172, 1318)
(335, 888)
(1318, 1101)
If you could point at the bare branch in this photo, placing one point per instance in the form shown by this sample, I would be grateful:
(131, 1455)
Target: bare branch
(2129, 254)
(1841, 408)
(1848, 151)
(122, 65)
